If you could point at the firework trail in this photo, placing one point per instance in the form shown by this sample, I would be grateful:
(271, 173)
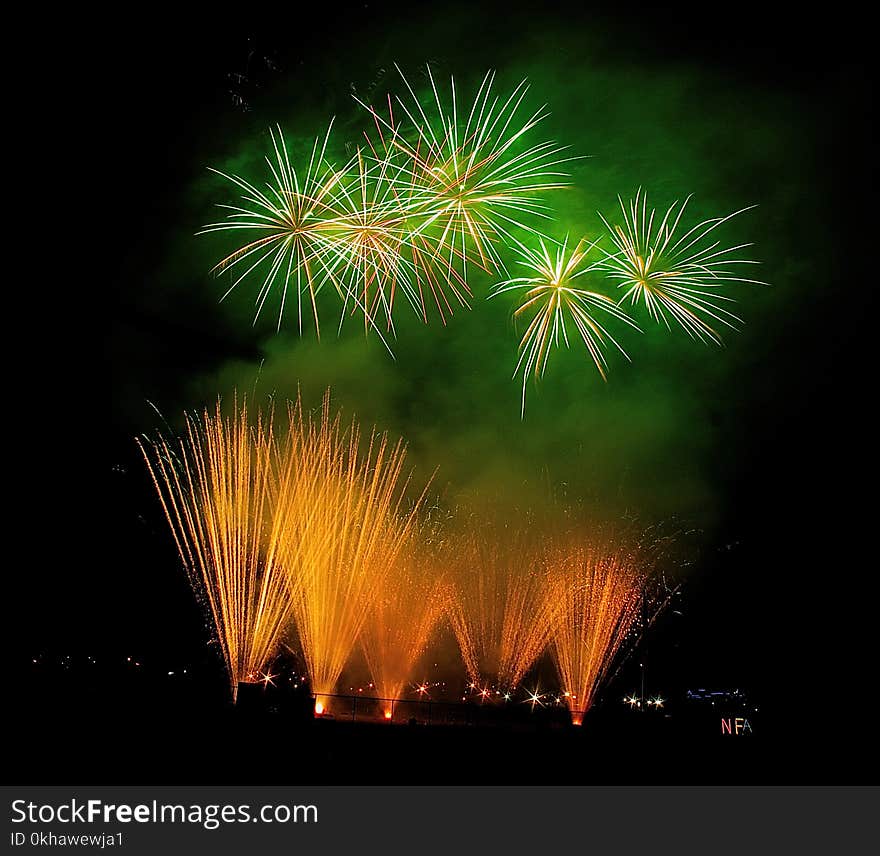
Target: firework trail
(677, 278)
(215, 484)
(406, 610)
(599, 597)
(346, 522)
(500, 613)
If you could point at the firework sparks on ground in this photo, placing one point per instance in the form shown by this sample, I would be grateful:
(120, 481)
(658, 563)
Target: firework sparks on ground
(406, 609)
(215, 484)
(553, 300)
(677, 278)
(346, 525)
(599, 596)
(499, 614)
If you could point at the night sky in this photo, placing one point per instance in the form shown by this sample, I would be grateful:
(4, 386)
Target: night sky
(754, 446)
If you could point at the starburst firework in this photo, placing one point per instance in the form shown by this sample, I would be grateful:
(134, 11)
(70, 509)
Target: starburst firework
(552, 300)
(474, 178)
(676, 278)
(292, 222)
(368, 241)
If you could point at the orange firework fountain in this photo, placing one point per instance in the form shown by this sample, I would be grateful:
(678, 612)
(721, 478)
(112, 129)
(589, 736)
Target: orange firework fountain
(500, 614)
(597, 596)
(345, 523)
(215, 484)
(408, 606)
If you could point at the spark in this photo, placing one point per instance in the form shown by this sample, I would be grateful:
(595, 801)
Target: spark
(534, 698)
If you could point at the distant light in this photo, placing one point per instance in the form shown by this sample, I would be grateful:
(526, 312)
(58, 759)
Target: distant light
(319, 708)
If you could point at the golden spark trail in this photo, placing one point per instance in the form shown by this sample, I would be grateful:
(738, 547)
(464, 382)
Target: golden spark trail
(500, 613)
(346, 524)
(215, 484)
(406, 609)
(597, 596)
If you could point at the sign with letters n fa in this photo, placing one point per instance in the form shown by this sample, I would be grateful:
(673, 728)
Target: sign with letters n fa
(737, 725)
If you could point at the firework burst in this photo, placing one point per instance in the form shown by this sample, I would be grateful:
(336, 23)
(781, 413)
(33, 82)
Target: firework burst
(433, 273)
(291, 224)
(368, 242)
(677, 278)
(553, 300)
(472, 177)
